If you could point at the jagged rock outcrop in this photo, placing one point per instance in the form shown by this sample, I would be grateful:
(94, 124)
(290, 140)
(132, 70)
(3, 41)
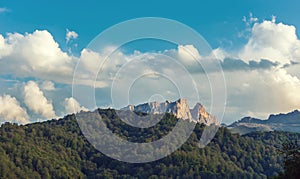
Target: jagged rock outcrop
(178, 108)
(200, 113)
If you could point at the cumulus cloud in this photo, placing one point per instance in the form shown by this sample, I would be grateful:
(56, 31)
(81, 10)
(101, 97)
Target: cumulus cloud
(73, 106)
(36, 101)
(71, 35)
(152, 72)
(273, 41)
(258, 82)
(188, 52)
(11, 110)
(35, 55)
(39, 56)
(48, 86)
(262, 92)
(91, 63)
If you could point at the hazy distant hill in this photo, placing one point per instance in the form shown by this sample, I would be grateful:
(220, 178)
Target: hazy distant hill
(57, 149)
(280, 122)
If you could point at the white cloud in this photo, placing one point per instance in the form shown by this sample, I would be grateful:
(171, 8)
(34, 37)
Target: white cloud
(257, 92)
(141, 75)
(36, 101)
(11, 110)
(93, 62)
(48, 86)
(72, 106)
(71, 35)
(273, 19)
(38, 55)
(35, 55)
(250, 20)
(90, 61)
(219, 54)
(5, 49)
(188, 52)
(262, 92)
(3, 10)
(277, 42)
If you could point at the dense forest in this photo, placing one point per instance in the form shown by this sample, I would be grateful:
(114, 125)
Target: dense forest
(58, 149)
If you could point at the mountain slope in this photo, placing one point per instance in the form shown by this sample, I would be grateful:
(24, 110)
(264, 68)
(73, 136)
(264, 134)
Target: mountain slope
(58, 149)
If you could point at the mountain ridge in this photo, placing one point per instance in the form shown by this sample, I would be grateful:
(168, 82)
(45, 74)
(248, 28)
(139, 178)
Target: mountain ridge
(280, 122)
(179, 108)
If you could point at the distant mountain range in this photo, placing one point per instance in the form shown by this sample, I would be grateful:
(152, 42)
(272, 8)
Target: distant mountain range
(280, 122)
(178, 108)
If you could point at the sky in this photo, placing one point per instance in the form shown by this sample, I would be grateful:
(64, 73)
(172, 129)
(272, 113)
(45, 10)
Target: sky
(256, 42)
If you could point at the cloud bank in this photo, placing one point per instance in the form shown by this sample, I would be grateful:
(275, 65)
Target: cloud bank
(258, 75)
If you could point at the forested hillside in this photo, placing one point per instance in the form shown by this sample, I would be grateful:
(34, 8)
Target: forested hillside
(58, 149)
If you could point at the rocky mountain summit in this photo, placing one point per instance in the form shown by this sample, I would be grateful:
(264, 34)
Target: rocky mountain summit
(178, 108)
(280, 122)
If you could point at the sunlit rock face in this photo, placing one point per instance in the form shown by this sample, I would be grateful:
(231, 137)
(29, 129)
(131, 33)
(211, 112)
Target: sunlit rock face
(202, 116)
(178, 108)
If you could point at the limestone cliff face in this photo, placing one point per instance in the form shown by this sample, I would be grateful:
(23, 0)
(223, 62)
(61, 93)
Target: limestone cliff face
(200, 113)
(178, 108)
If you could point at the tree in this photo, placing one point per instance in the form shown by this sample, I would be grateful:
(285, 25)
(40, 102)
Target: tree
(291, 152)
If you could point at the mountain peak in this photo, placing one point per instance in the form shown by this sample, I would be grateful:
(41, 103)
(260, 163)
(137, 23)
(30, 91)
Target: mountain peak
(179, 108)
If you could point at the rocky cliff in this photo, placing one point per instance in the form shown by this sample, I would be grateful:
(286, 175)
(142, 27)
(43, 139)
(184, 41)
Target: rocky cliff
(178, 108)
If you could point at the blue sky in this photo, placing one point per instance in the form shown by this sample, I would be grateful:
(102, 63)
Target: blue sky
(259, 68)
(218, 21)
